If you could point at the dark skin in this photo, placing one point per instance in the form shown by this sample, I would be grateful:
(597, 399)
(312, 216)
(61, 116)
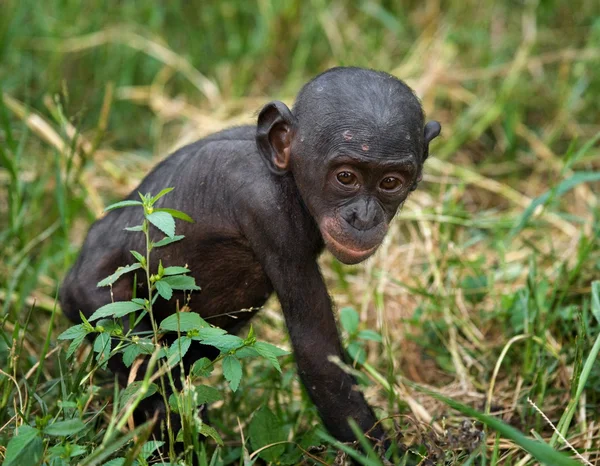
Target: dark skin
(267, 199)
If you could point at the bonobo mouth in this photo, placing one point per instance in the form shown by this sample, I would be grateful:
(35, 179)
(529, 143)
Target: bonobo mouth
(344, 253)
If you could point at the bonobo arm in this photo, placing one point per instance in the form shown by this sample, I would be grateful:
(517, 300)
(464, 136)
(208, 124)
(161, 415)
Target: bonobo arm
(287, 242)
(307, 309)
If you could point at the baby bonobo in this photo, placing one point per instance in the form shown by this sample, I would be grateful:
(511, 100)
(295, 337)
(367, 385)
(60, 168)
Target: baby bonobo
(267, 199)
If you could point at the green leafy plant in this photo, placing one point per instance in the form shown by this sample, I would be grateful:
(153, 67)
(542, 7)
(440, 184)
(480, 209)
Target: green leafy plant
(111, 338)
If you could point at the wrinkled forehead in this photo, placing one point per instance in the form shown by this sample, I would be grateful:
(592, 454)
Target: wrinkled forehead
(363, 135)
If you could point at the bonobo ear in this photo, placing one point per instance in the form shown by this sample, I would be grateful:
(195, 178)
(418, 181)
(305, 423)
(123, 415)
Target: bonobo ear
(274, 136)
(432, 130)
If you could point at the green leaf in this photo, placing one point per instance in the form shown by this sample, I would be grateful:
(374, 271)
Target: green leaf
(202, 368)
(132, 390)
(357, 352)
(183, 322)
(164, 289)
(232, 370)
(349, 319)
(76, 343)
(138, 256)
(181, 282)
(167, 240)
(161, 194)
(177, 214)
(117, 309)
(208, 431)
(130, 353)
(225, 343)
(134, 228)
(163, 221)
(246, 352)
(65, 428)
(270, 352)
(150, 447)
(209, 332)
(121, 204)
(206, 394)
(178, 350)
(24, 448)
(370, 335)
(175, 270)
(73, 332)
(115, 462)
(118, 273)
(102, 347)
(265, 429)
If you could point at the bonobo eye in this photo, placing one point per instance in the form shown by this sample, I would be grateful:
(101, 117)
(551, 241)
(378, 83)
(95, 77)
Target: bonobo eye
(390, 183)
(346, 178)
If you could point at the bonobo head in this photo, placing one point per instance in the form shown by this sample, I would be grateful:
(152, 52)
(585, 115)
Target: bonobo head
(355, 144)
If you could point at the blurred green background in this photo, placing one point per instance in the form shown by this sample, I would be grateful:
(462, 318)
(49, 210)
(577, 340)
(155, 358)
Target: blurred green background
(499, 245)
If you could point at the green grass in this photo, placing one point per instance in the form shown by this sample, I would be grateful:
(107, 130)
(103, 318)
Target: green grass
(485, 293)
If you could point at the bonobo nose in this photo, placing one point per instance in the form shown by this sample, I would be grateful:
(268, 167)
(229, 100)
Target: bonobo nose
(360, 219)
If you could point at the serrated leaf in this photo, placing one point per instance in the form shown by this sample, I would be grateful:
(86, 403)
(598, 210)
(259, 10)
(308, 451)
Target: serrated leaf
(206, 394)
(371, 335)
(118, 273)
(183, 322)
(150, 447)
(132, 390)
(73, 332)
(265, 429)
(163, 221)
(225, 343)
(118, 205)
(117, 309)
(246, 352)
(167, 240)
(130, 353)
(164, 289)
(76, 343)
(349, 319)
(270, 352)
(232, 370)
(24, 448)
(209, 332)
(177, 214)
(202, 368)
(175, 270)
(178, 350)
(274, 350)
(182, 282)
(161, 194)
(65, 428)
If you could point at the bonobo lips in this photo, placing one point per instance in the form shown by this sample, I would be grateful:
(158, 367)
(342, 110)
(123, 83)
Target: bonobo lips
(341, 248)
(345, 254)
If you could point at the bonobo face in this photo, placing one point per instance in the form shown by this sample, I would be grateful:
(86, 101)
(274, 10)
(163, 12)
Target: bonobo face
(355, 144)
